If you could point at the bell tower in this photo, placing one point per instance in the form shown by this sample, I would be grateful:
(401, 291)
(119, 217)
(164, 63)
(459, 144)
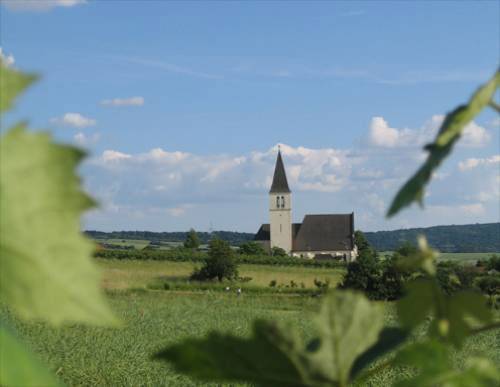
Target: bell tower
(280, 208)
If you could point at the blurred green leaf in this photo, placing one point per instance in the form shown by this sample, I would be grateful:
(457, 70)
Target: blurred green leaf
(433, 361)
(417, 304)
(389, 339)
(454, 316)
(18, 367)
(448, 134)
(275, 356)
(47, 271)
(431, 358)
(12, 82)
(348, 325)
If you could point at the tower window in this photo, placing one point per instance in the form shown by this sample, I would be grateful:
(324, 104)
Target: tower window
(277, 202)
(282, 202)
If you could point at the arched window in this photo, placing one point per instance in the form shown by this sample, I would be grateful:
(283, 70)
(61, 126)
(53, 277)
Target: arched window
(282, 202)
(277, 202)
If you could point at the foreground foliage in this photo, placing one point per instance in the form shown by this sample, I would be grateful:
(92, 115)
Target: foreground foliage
(47, 272)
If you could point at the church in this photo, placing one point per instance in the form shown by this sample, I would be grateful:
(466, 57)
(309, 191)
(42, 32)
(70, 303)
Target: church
(328, 236)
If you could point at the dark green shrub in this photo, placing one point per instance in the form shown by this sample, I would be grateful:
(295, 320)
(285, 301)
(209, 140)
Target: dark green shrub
(322, 285)
(252, 248)
(278, 252)
(219, 264)
(273, 284)
(453, 277)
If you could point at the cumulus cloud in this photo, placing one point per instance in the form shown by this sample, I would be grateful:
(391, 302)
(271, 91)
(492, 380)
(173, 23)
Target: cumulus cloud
(40, 5)
(178, 211)
(7, 60)
(83, 139)
(157, 184)
(75, 120)
(132, 101)
(111, 156)
(472, 163)
(381, 134)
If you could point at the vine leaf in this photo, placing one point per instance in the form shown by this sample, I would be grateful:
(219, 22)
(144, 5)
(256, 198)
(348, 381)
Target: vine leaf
(454, 316)
(348, 325)
(450, 131)
(18, 367)
(271, 357)
(12, 83)
(47, 272)
(433, 361)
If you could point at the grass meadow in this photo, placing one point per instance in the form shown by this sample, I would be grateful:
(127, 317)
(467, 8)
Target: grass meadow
(90, 356)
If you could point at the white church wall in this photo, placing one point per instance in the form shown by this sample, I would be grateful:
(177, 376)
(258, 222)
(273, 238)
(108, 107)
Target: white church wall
(280, 213)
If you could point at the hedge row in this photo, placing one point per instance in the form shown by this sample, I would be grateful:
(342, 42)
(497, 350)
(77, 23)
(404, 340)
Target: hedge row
(186, 255)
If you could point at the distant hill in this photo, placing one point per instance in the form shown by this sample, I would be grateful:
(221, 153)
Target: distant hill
(233, 237)
(467, 238)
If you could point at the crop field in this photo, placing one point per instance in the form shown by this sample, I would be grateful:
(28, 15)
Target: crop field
(152, 319)
(123, 274)
(466, 258)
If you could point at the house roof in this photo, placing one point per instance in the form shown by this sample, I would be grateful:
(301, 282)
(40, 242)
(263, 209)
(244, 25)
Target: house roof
(280, 183)
(326, 233)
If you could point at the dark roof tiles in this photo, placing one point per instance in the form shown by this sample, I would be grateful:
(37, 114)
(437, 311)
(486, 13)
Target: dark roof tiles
(333, 232)
(280, 183)
(326, 233)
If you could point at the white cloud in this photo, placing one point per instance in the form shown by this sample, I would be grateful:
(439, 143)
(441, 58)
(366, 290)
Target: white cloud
(83, 139)
(472, 209)
(40, 5)
(475, 135)
(159, 182)
(133, 101)
(75, 120)
(8, 60)
(178, 211)
(472, 163)
(113, 156)
(380, 134)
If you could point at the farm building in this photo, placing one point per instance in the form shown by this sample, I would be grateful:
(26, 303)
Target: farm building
(328, 236)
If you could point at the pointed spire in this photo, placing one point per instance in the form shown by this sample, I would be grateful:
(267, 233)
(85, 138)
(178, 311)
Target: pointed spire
(280, 184)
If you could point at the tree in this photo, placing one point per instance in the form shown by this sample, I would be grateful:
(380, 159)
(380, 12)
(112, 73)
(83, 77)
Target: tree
(192, 241)
(489, 285)
(252, 248)
(278, 252)
(220, 263)
(364, 247)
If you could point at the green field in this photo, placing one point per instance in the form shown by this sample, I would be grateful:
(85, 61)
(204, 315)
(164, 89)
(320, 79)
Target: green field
(467, 258)
(84, 356)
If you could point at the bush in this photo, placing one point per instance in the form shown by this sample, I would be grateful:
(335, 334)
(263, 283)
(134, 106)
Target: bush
(181, 254)
(453, 277)
(378, 279)
(252, 248)
(219, 264)
(273, 284)
(278, 252)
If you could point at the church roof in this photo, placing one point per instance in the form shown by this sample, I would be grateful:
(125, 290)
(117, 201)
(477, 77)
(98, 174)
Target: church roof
(280, 184)
(264, 233)
(326, 233)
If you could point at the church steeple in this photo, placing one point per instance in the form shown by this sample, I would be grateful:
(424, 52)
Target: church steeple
(280, 183)
(280, 208)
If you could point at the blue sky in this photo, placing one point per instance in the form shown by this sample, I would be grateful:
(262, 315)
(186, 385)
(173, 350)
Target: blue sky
(181, 105)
